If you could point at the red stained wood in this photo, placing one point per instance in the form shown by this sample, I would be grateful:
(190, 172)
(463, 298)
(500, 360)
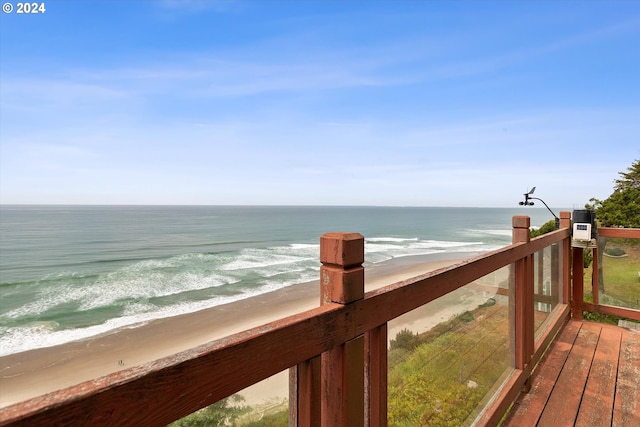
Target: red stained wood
(595, 291)
(627, 233)
(342, 383)
(563, 404)
(612, 311)
(522, 304)
(528, 408)
(333, 389)
(593, 381)
(376, 370)
(353, 373)
(577, 283)
(565, 223)
(596, 407)
(626, 411)
(340, 285)
(342, 367)
(305, 397)
(341, 248)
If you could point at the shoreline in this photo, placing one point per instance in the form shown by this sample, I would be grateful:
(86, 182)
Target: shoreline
(36, 372)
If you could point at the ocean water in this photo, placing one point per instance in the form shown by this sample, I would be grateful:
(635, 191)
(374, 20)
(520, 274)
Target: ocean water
(71, 272)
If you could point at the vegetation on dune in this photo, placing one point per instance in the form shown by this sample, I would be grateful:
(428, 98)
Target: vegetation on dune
(221, 414)
(440, 377)
(279, 419)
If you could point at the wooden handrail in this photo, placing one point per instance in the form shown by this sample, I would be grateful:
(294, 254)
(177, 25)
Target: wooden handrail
(626, 233)
(170, 388)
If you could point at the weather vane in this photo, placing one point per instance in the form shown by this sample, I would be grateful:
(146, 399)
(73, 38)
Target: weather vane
(527, 202)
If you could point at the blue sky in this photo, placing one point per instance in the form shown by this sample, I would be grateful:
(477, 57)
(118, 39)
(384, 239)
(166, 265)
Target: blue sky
(420, 103)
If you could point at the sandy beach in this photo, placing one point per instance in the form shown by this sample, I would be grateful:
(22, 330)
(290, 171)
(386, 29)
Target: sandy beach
(36, 372)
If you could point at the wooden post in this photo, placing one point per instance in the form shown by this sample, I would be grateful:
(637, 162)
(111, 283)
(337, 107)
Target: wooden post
(304, 394)
(578, 283)
(565, 222)
(342, 377)
(375, 377)
(521, 299)
(341, 281)
(595, 285)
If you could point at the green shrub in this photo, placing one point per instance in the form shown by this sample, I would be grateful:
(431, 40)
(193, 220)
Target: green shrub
(405, 339)
(430, 384)
(547, 227)
(614, 251)
(587, 259)
(397, 355)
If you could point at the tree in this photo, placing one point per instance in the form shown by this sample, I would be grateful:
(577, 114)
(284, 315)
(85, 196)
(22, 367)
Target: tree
(620, 209)
(547, 227)
(630, 179)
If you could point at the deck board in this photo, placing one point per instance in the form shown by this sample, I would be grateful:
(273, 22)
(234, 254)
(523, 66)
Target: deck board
(564, 402)
(590, 376)
(596, 408)
(527, 410)
(627, 401)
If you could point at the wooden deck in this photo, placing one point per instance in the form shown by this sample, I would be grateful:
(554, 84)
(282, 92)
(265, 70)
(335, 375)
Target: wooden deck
(590, 376)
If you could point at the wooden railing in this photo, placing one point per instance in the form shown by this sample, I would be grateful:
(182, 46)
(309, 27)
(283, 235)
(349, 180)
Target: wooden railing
(579, 304)
(336, 354)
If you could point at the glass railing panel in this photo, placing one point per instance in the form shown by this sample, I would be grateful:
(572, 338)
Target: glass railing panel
(447, 358)
(547, 283)
(618, 272)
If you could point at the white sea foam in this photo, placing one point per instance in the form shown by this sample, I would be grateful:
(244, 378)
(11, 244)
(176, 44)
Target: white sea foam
(378, 252)
(45, 334)
(307, 247)
(190, 272)
(443, 244)
(93, 275)
(378, 247)
(391, 239)
(138, 282)
(142, 280)
(258, 258)
(492, 232)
